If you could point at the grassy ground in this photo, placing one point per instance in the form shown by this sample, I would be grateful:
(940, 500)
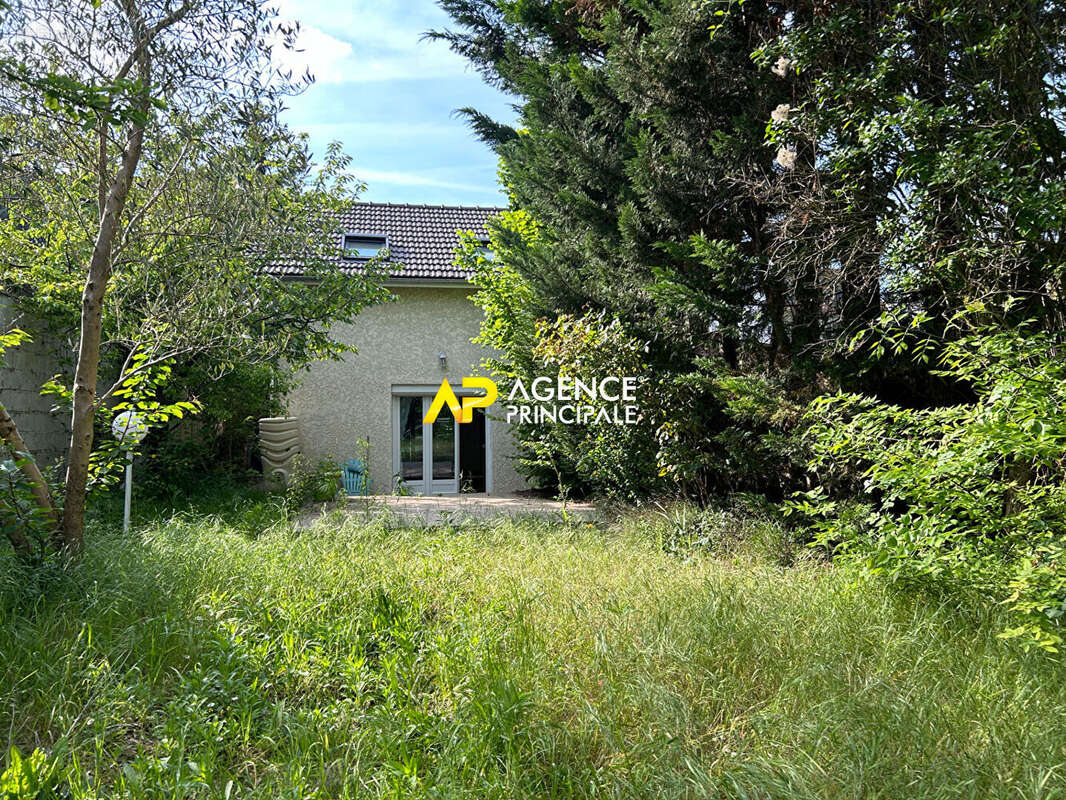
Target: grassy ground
(522, 660)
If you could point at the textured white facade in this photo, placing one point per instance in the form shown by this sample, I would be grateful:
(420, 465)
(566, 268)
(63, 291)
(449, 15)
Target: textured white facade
(339, 402)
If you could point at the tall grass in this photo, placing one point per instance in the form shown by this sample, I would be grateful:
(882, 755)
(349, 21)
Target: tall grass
(516, 660)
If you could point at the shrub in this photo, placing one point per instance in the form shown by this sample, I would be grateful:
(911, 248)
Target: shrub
(601, 458)
(22, 520)
(705, 429)
(174, 466)
(311, 482)
(720, 432)
(969, 497)
(219, 440)
(739, 530)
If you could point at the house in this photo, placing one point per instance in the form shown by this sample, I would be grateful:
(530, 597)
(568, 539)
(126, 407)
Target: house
(405, 349)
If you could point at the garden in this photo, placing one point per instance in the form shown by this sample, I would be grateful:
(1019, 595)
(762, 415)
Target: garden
(217, 652)
(825, 241)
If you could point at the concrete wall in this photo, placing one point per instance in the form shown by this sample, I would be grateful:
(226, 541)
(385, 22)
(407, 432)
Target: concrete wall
(47, 435)
(338, 402)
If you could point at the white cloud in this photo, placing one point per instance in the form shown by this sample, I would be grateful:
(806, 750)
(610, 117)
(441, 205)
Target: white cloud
(373, 176)
(317, 52)
(383, 131)
(377, 45)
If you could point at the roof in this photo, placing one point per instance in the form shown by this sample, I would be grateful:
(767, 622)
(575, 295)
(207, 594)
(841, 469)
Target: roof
(422, 239)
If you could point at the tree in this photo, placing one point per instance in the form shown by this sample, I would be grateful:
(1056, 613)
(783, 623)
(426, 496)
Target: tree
(749, 186)
(635, 124)
(641, 134)
(179, 183)
(938, 168)
(934, 158)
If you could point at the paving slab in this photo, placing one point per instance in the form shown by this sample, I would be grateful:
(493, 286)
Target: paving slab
(454, 509)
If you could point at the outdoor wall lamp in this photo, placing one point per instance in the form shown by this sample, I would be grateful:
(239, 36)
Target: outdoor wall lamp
(443, 360)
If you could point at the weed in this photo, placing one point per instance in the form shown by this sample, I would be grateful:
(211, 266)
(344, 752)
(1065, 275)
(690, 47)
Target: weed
(212, 655)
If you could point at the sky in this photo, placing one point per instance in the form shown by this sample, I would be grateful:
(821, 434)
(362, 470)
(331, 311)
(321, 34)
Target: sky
(390, 98)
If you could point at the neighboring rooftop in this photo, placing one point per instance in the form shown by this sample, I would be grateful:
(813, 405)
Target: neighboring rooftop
(421, 238)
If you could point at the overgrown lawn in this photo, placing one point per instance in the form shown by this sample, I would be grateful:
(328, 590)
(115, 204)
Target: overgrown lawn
(527, 659)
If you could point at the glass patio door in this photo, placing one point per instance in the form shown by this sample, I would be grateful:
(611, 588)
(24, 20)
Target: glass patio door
(426, 454)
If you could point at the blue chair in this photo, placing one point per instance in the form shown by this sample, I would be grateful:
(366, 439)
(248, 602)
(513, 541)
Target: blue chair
(353, 476)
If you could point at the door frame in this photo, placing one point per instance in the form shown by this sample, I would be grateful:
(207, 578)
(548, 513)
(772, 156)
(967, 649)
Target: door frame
(429, 390)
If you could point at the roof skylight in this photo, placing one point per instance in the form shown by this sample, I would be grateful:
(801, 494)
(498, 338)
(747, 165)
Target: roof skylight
(364, 246)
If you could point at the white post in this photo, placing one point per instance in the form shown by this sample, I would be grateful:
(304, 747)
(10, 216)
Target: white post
(129, 491)
(129, 429)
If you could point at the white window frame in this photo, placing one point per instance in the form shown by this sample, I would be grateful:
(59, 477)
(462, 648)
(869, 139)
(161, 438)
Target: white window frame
(427, 392)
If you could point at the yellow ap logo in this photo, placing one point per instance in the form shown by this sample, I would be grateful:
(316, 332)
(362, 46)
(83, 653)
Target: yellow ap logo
(465, 412)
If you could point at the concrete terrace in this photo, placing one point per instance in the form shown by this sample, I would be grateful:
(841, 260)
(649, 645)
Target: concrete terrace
(448, 509)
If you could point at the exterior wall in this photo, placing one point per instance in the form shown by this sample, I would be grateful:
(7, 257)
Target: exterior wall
(339, 402)
(25, 369)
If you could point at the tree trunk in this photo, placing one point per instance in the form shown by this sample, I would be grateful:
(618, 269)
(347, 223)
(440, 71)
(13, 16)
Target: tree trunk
(38, 486)
(11, 436)
(775, 314)
(19, 543)
(88, 364)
